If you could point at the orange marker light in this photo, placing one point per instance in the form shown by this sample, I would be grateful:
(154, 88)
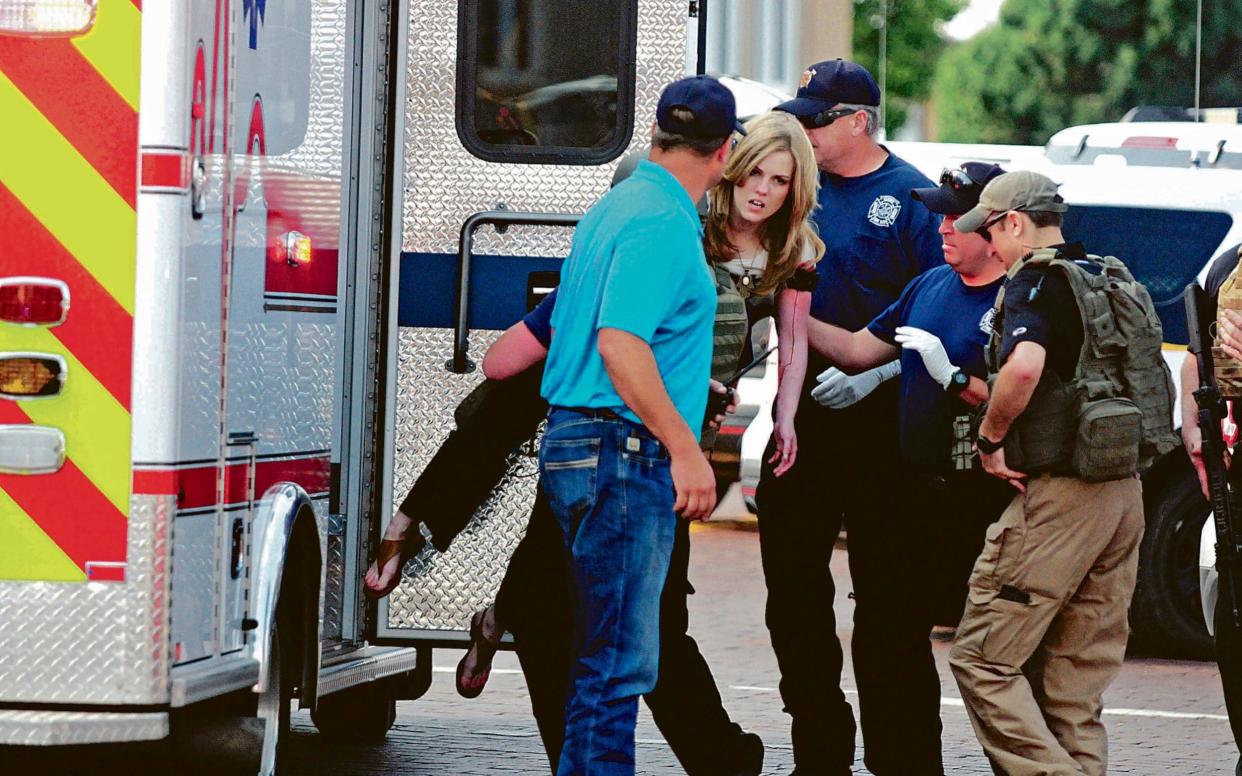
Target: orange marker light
(297, 249)
(31, 375)
(47, 18)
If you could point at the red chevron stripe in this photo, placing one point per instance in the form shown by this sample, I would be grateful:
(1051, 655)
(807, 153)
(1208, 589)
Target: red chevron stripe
(67, 506)
(98, 330)
(83, 107)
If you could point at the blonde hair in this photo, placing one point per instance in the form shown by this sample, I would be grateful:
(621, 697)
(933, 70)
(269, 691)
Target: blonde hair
(788, 233)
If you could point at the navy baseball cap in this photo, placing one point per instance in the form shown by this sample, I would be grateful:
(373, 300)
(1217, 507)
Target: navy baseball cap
(828, 83)
(710, 103)
(959, 188)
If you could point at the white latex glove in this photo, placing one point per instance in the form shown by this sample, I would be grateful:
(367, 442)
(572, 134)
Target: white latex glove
(931, 349)
(836, 389)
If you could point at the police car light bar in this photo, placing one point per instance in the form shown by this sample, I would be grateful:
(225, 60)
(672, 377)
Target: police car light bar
(31, 301)
(27, 449)
(47, 18)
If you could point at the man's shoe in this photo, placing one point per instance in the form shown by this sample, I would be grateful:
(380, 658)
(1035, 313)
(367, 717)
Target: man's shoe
(748, 755)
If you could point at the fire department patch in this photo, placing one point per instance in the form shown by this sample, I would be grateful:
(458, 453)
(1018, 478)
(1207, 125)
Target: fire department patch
(807, 75)
(884, 211)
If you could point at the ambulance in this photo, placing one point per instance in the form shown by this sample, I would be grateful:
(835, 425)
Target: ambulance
(250, 251)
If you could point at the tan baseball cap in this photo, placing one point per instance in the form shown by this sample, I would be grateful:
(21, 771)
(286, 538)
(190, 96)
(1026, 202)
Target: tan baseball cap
(1021, 190)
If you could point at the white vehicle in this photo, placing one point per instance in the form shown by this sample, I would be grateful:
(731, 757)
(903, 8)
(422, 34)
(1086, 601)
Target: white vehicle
(239, 278)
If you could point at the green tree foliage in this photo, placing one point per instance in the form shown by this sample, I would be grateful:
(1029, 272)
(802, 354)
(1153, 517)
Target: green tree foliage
(1049, 64)
(914, 45)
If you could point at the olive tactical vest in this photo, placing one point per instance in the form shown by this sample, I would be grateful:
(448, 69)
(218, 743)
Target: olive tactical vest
(1115, 417)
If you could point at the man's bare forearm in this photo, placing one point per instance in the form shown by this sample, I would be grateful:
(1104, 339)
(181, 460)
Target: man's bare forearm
(1013, 389)
(632, 368)
(851, 352)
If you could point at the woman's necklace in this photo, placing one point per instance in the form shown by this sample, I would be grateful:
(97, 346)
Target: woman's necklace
(747, 269)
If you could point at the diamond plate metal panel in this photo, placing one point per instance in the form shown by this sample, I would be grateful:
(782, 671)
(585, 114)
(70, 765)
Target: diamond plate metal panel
(320, 153)
(334, 581)
(195, 562)
(444, 183)
(441, 591)
(285, 371)
(99, 642)
(66, 728)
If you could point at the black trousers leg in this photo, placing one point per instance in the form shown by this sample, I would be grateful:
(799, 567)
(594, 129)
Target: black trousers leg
(533, 604)
(898, 685)
(685, 703)
(1229, 658)
(798, 526)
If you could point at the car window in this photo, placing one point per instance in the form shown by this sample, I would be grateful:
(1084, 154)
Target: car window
(546, 81)
(1165, 249)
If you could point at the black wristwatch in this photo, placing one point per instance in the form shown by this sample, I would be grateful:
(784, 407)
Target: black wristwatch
(959, 381)
(987, 446)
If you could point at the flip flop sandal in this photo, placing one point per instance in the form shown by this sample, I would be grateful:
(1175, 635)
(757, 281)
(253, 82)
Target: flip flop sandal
(392, 548)
(478, 643)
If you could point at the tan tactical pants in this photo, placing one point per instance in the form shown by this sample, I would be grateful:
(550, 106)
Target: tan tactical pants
(1045, 627)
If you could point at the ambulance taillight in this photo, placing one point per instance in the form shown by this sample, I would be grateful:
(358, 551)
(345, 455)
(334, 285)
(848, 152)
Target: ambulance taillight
(28, 449)
(31, 301)
(31, 375)
(47, 18)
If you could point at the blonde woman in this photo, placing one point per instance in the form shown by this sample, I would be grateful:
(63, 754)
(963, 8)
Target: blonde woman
(761, 243)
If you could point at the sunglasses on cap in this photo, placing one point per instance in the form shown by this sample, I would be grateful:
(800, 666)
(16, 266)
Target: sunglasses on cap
(983, 230)
(824, 117)
(958, 180)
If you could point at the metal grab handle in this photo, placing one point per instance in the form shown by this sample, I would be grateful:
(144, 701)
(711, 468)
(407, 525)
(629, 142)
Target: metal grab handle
(460, 363)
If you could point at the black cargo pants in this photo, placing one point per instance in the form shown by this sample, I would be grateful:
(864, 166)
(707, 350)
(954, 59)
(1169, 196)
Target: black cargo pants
(847, 474)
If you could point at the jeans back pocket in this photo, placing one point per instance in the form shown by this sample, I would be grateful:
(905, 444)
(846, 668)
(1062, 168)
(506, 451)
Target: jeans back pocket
(569, 468)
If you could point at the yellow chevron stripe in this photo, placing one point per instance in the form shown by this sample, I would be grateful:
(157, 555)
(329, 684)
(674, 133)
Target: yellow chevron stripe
(96, 426)
(112, 47)
(67, 195)
(27, 552)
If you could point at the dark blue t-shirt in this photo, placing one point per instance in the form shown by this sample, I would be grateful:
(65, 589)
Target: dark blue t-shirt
(878, 239)
(961, 316)
(539, 320)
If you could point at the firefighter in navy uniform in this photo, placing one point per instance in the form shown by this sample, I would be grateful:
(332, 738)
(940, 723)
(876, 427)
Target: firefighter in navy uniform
(877, 240)
(1080, 398)
(1228, 639)
(939, 326)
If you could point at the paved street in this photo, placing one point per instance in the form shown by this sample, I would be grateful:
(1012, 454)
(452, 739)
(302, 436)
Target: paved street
(1165, 717)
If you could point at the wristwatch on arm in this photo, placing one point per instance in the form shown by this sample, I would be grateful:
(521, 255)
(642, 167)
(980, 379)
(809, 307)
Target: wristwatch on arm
(959, 381)
(987, 446)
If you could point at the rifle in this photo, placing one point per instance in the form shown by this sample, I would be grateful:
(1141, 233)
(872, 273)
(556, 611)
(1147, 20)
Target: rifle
(1212, 412)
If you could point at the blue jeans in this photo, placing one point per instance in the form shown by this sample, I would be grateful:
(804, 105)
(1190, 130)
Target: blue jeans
(611, 488)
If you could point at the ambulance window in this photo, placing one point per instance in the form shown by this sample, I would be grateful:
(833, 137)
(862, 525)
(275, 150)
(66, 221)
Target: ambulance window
(546, 81)
(1165, 249)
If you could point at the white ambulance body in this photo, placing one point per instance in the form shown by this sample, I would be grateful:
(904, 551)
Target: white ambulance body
(229, 279)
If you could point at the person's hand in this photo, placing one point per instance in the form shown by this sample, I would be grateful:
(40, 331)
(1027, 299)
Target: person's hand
(720, 388)
(786, 446)
(1192, 440)
(695, 484)
(1229, 333)
(931, 350)
(836, 389)
(994, 464)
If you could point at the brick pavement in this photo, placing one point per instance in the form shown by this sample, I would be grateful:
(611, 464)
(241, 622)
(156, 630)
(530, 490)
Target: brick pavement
(443, 734)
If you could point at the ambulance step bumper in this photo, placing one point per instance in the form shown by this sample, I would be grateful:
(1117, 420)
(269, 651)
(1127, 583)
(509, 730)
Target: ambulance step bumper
(366, 665)
(67, 728)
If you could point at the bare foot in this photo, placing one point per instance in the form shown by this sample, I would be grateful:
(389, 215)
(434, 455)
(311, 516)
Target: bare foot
(380, 581)
(476, 665)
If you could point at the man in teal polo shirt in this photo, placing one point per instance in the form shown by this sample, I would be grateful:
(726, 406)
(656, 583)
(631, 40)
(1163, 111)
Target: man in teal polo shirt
(627, 379)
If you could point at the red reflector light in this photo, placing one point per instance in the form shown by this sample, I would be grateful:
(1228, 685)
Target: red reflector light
(31, 375)
(1143, 141)
(33, 301)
